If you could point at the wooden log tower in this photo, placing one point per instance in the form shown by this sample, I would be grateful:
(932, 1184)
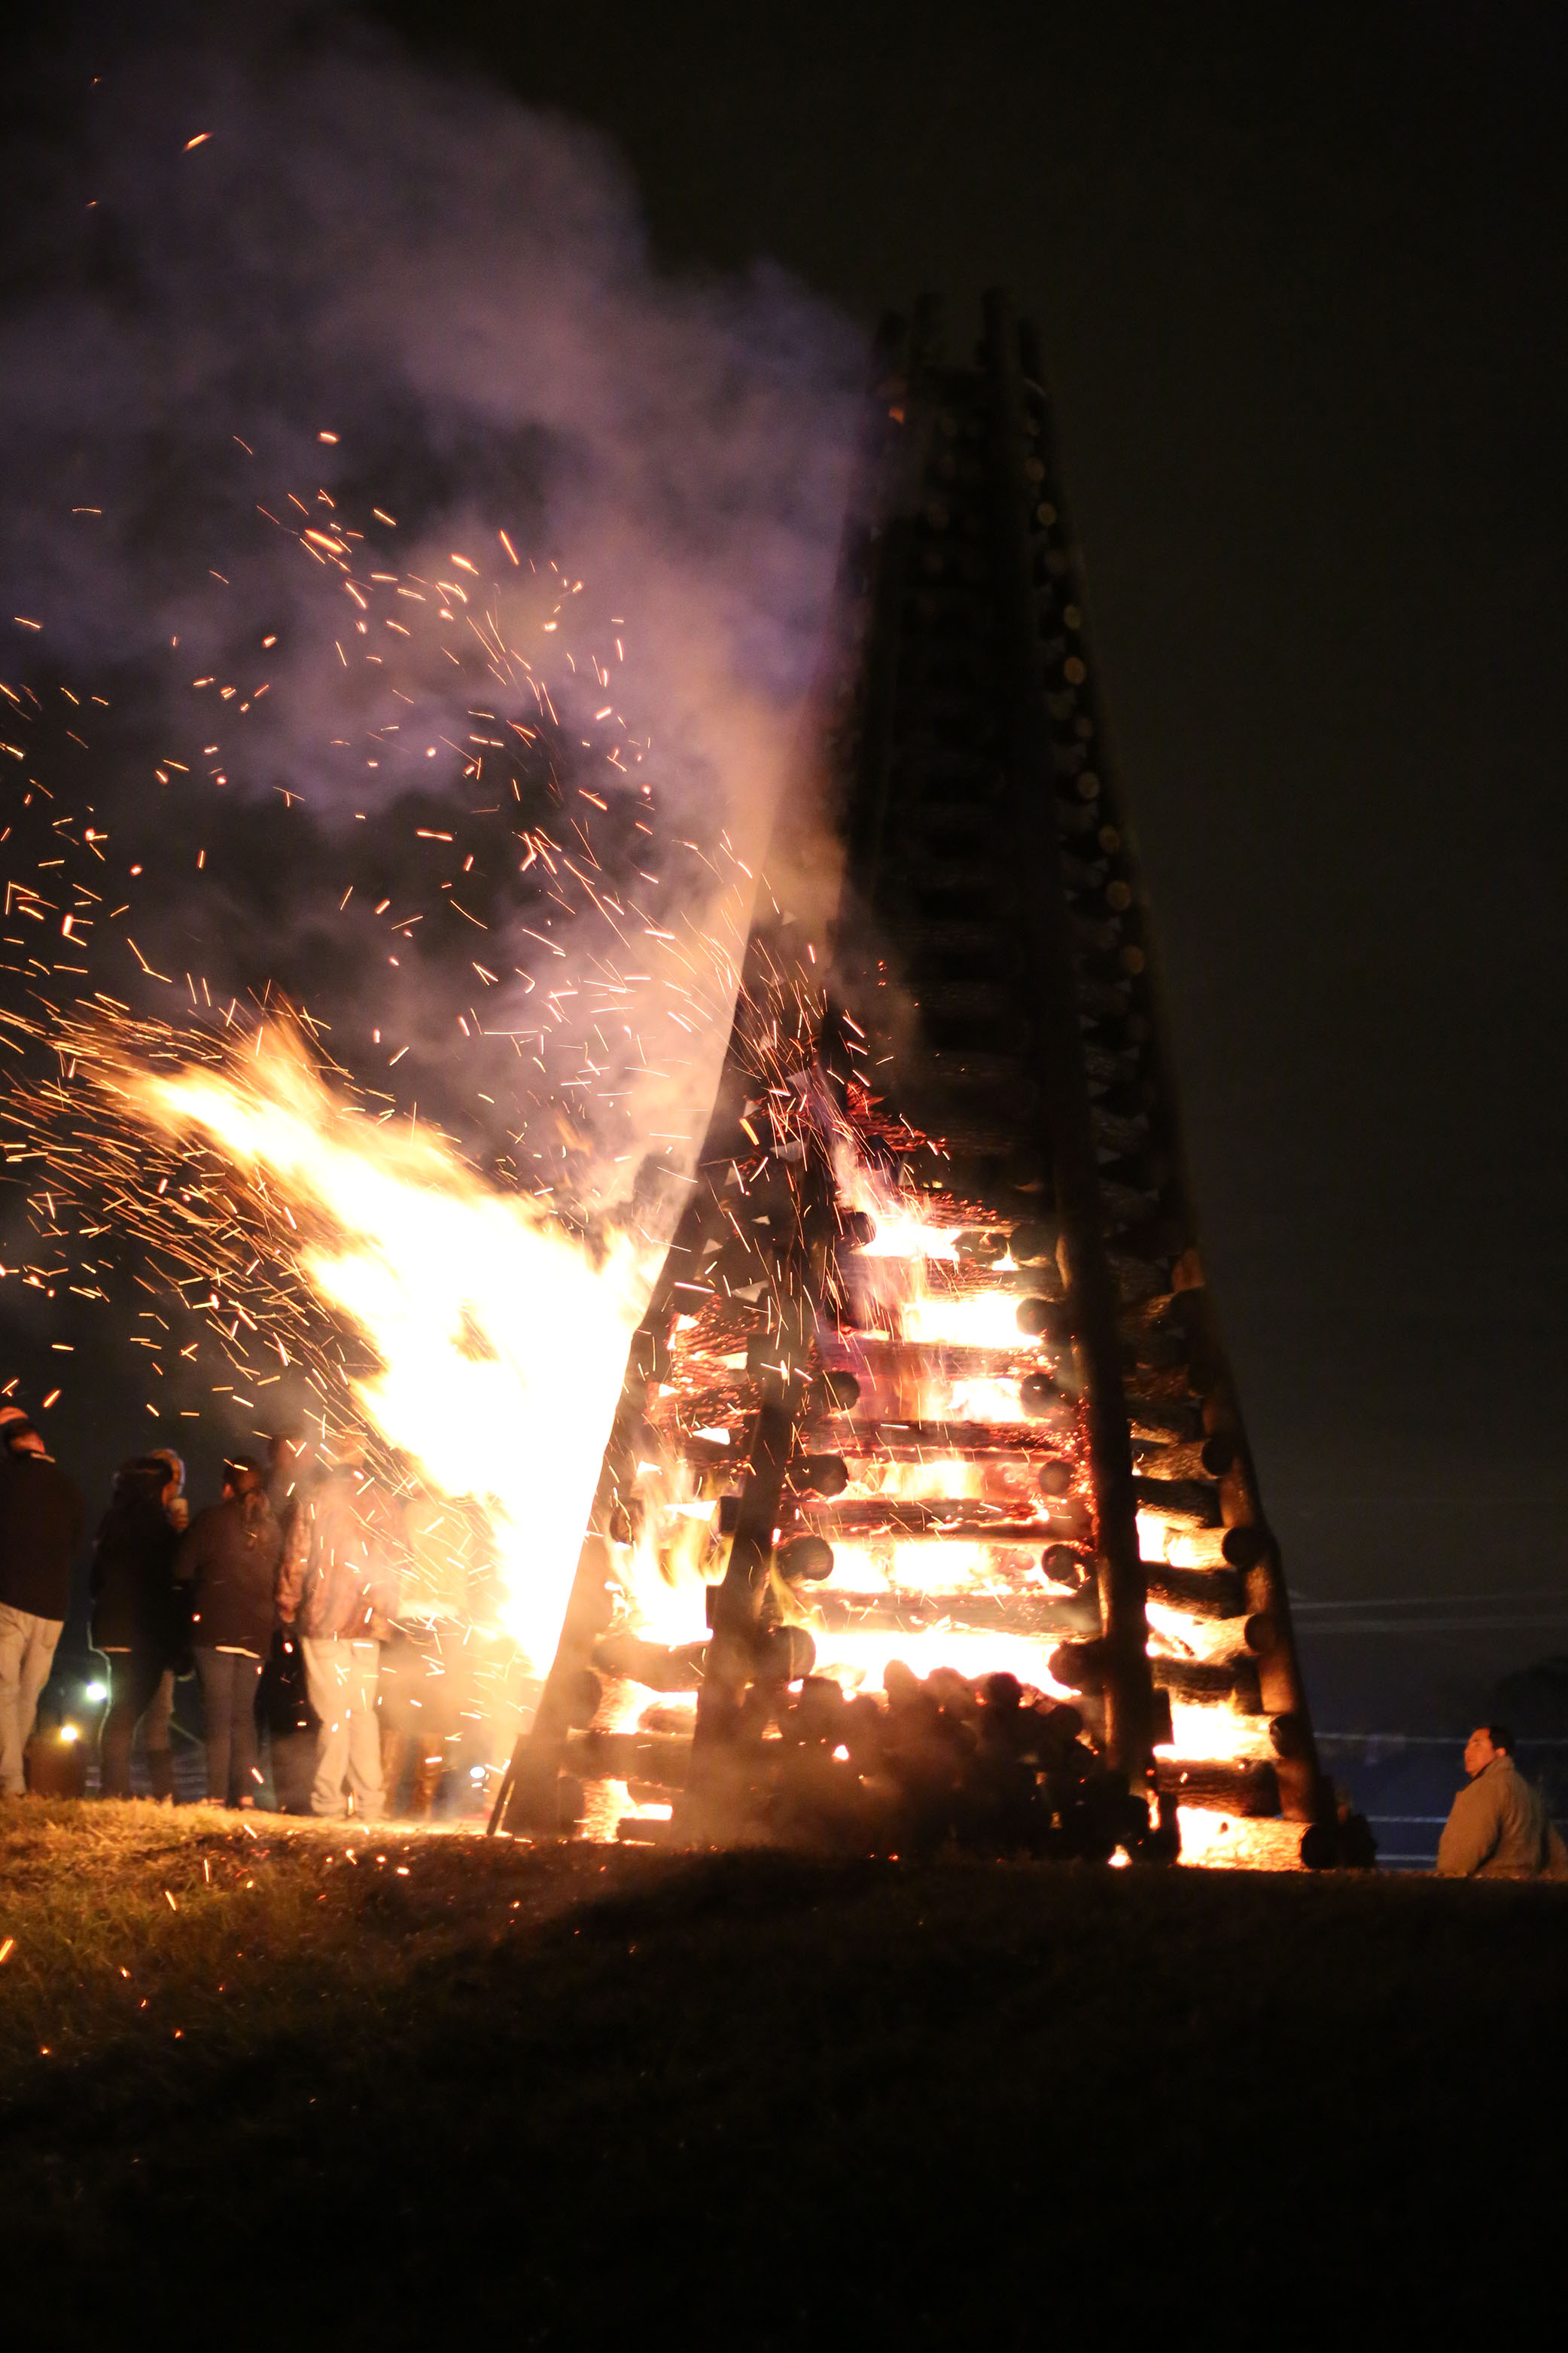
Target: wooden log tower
(966, 1031)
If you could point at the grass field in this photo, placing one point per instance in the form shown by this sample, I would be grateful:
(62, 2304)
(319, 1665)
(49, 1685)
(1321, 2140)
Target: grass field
(459, 2092)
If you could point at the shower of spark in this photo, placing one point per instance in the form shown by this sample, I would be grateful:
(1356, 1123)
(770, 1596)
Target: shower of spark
(472, 1340)
(500, 1342)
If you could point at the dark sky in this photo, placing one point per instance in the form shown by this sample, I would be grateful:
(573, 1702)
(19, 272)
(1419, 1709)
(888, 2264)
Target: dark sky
(1299, 277)
(1299, 281)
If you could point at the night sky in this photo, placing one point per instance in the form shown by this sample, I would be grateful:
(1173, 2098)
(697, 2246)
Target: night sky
(1298, 277)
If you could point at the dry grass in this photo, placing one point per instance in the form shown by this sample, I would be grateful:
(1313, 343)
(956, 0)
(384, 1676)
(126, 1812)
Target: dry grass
(133, 1923)
(574, 2096)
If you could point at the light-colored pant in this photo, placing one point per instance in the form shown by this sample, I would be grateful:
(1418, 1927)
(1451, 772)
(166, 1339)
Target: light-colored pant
(26, 1654)
(341, 1678)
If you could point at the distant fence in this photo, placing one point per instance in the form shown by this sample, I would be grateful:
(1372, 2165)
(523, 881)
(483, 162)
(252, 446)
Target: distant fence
(1421, 1769)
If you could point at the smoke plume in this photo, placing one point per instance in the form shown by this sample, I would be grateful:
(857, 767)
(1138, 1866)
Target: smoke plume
(417, 593)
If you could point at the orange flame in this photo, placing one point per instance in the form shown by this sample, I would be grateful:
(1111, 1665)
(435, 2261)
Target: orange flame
(502, 1342)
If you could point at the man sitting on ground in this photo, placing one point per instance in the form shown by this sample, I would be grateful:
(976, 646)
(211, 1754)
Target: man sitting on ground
(1499, 1828)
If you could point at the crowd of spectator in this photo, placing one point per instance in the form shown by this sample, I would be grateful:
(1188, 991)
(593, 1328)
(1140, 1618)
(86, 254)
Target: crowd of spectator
(292, 1575)
(279, 1598)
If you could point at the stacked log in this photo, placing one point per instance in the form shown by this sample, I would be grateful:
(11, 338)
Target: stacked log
(993, 990)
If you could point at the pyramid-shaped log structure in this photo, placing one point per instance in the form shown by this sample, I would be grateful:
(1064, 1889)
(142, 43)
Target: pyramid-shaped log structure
(930, 1513)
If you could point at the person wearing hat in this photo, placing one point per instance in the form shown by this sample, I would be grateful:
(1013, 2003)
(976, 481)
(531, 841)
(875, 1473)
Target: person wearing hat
(41, 1521)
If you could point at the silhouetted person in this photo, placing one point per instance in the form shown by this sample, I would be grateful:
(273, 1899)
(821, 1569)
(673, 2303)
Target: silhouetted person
(283, 1706)
(230, 1558)
(291, 1466)
(158, 1723)
(136, 1620)
(1499, 1827)
(41, 1519)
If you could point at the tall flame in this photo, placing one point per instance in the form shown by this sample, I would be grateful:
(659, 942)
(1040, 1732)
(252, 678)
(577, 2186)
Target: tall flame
(502, 1342)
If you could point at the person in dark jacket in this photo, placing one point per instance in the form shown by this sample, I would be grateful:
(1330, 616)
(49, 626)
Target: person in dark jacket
(283, 1702)
(136, 1620)
(229, 1557)
(41, 1518)
(157, 1724)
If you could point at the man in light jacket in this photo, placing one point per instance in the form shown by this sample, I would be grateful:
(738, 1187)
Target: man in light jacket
(41, 1518)
(1499, 1828)
(339, 1588)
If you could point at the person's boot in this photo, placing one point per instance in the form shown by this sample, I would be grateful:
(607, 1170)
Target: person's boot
(428, 1775)
(113, 1769)
(161, 1773)
(394, 1747)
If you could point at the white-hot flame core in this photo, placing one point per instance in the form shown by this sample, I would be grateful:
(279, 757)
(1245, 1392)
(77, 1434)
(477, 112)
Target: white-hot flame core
(1216, 1735)
(902, 1233)
(1224, 1841)
(985, 1400)
(986, 1319)
(502, 1343)
(664, 1573)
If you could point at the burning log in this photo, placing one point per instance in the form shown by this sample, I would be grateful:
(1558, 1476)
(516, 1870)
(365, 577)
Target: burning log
(1243, 1787)
(916, 1441)
(1204, 1459)
(1202, 1592)
(1040, 1398)
(804, 1560)
(911, 1613)
(956, 1522)
(1163, 1422)
(660, 1760)
(1023, 1064)
(1186, 1503)
(1065, 1567)
(818, 1474)
(1241, 1547)
(652, 1664)
(1080, 1666)
(1203, 1683)
(935, 1359)
(783, 1654)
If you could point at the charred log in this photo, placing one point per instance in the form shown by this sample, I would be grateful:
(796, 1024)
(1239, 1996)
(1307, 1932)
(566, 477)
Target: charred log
(1205, 1592)
(1244, 1788)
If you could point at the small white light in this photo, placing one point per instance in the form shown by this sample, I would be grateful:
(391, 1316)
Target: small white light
(95, 1692)
(69, 1732)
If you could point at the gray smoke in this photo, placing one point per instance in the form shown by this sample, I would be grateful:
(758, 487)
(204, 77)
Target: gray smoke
(460, 292)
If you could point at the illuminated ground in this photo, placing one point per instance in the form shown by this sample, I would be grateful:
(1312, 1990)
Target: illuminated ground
(580, 2096)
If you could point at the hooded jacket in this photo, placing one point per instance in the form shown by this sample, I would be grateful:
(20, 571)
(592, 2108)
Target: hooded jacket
(133, 1581)
(41, 1520)
(229, 1557)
